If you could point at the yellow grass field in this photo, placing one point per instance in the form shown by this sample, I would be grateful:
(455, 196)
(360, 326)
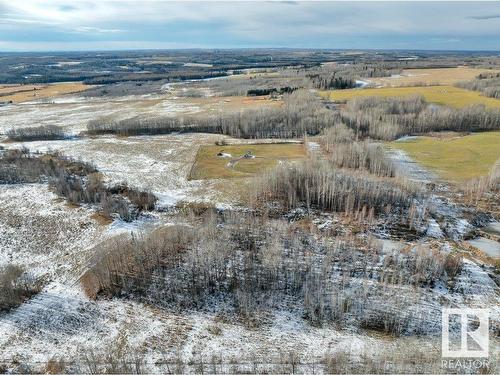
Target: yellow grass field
(439, 76)
(24, 93)
(209, 166)
(457, 158)
(445, 95)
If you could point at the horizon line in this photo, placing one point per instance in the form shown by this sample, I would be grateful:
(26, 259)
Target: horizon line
(250, 48)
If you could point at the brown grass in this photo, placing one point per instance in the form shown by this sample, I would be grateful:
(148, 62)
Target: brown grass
(55, 366)
(24, 93)
(232, 103)
(102, 219)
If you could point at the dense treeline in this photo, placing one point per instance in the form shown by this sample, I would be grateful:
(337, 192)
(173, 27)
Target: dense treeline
(487, 83)
(320, 185)
(333, 82)
(140, 77)
(76, 181)
(243, 264)
(390, 118)
(36, 133)
(318, 77)
(362, 155)
(302, 113)
(339, 142)
(272, 91)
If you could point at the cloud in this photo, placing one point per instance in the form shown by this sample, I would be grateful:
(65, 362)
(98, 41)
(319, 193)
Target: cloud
(249, 23)
(486, 17)
(89, 29)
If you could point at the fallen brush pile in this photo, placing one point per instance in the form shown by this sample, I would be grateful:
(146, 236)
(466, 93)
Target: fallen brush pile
(75, 181)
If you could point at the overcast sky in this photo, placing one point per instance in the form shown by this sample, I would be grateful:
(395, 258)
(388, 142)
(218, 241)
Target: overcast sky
(44, 25)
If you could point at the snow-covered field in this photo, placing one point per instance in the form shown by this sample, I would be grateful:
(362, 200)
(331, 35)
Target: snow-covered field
(160, 164)
(54, 242)
(74, 112)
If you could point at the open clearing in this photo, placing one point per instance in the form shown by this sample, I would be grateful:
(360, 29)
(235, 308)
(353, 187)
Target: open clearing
(439, 76)
(232, 103)
(159, 164)
(25, 93)
(232, 164)
(74, 112)
(445, 95)
(456, 159)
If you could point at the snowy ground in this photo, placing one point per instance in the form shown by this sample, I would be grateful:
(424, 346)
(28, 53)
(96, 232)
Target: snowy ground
(160, 164)
(54, 242)
(74, 112)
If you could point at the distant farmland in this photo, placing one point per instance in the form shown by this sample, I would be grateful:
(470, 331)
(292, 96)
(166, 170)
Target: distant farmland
(438, 76)
(24, 93)
(445, 95)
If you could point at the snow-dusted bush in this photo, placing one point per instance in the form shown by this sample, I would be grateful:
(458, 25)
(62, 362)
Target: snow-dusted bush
(15, 287)
(74, 180)
(36, 133)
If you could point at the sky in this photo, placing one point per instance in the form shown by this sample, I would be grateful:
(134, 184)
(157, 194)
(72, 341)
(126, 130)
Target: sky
(71, 25)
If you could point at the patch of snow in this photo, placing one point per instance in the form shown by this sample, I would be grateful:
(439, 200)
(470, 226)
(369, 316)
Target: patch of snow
(492, 228)
(361, 84)
(433, 230)
(489, 247)
(409, 168)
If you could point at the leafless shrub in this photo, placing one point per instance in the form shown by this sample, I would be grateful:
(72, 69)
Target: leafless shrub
(37, 133)
(114, 360)
(477, 188)
(339, 133)
(15, 287)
